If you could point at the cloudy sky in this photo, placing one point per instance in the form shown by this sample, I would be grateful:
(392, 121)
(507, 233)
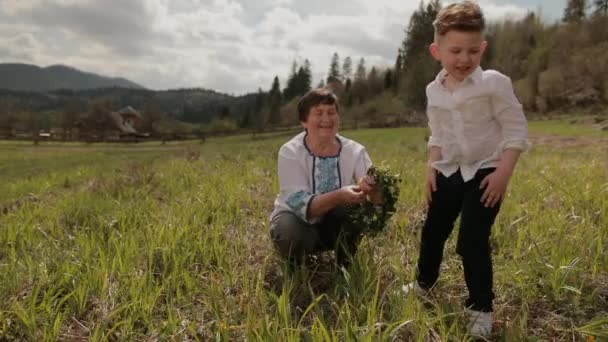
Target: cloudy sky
(234, 46)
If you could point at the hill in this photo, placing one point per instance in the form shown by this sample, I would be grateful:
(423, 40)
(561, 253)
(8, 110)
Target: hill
(27, 77)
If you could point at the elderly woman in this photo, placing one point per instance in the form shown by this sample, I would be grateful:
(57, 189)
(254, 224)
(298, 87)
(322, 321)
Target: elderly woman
(320, 172)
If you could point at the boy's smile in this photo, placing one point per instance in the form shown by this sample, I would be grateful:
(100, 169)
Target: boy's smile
(459, 52)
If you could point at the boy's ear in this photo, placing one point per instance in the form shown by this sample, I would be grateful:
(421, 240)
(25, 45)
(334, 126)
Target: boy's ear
(484, 45)
(434, 50)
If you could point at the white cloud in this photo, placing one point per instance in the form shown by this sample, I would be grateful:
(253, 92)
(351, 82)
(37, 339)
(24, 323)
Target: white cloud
(234, 46)
(22, 46)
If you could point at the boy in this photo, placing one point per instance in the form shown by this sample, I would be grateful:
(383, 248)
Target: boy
(478, 130)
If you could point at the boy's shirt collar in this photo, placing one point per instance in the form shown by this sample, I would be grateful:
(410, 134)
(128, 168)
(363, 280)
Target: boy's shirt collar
(476, 76)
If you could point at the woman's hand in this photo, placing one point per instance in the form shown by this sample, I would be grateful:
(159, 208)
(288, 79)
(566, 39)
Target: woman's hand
(323, 203)
(351, 194)
(367, 184)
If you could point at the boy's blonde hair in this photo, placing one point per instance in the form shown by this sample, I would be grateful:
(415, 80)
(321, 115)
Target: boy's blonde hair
(463, 16)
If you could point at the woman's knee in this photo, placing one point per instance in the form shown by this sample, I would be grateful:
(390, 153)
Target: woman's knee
(291, 236)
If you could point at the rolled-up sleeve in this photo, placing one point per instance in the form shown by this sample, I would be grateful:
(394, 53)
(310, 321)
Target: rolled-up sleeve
(509, 113)
(436, 132)
(294, 190)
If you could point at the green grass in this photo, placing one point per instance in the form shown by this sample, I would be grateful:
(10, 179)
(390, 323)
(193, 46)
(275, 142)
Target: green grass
(589, 126)
(158, 242)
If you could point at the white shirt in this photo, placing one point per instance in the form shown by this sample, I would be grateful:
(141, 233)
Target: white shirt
(302, 175)
(475, 123)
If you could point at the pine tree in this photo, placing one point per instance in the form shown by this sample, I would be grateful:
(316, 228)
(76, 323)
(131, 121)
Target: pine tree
(294, 68)
(259, 101)
(299, 81)
(290, 90)
(399, 61)
(307, 84)
(388, 79)
(300, 86)
(398, 69)
(347, 73)
(359, 88)
(574, 11)
(246, 120)
(259, 119)
(304, 78)
(361, 71)
(374, 82)
(348, 93)
(274, 102)
(347, 68)
(334, 69)
(601, 7)
(348, 85)
(417, 68)
(225, 113)
(420, 32)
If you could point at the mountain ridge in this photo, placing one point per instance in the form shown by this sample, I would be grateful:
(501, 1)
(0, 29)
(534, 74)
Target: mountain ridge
(33, 78)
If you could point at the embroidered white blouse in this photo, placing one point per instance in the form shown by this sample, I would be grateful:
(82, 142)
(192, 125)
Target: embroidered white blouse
(475, 123)
(302, 175)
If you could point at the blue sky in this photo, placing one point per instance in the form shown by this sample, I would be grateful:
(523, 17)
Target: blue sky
(234, 46)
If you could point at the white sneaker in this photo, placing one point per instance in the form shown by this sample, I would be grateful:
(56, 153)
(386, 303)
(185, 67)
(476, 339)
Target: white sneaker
(414, 288)
(480, 323)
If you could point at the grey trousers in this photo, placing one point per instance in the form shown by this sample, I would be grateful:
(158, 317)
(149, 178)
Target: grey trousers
(294, 239)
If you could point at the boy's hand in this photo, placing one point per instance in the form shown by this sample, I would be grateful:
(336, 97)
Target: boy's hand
(495, 185)
(431, 184)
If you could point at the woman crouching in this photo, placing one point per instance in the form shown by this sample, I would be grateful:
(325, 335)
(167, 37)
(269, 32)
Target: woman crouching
(320, 173)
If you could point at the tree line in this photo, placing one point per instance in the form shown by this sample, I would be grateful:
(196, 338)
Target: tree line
(554, 66)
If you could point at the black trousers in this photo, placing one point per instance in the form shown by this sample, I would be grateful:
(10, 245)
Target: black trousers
(455, 197)
(294, 239)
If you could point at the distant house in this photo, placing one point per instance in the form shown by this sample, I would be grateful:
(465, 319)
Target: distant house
(126, 119)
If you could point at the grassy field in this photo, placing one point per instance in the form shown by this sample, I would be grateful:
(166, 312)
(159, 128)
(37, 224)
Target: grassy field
(170, 242)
